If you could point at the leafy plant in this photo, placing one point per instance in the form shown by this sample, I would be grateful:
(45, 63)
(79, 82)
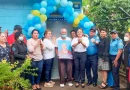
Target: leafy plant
(10, 75)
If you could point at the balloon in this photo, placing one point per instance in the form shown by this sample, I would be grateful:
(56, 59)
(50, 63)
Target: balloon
(30, 23)
(57, 1)
(38, 26)
(75, 25)
(43, 10)
(44, 24)
(91, 23)
(86, 31)
(81, 23)
(61, 10)
(54, 8)
(26, 28)
(43, 3)
(86, 19)
(43, 18)
(30, 29)
(75, 14)
(41, 31)
(30, 16)
(63, 3)
(69, 10)
(81, 16)
(65, 15)
(76, 21)
(36, 6)
(36, 13)
(51, 3)
(36, 20)
(86, 24)
(70, 20)
(129, 30)
(49, 9)
(70, 3)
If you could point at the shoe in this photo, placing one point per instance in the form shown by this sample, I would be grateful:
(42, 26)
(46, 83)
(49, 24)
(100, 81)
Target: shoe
(62, 85)
(89, 83)
(77, 85)
(70, 84)
(94, 84)
(39, 89)
(83, 85)
(52, 82)
(48, 85)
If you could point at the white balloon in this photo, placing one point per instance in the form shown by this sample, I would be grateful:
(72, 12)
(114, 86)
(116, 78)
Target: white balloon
(70, 3)
(30, 16)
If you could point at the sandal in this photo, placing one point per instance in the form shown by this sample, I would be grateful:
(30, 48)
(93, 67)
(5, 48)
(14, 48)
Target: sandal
(103, 85)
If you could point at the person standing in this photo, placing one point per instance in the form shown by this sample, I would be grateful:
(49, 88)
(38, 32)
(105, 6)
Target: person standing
(103, 57)
(73, 35)
(92, 58)
(80, 45)
(116, 46)
(4, 48)
(35, 47)
(48, 57)
(126, 57)
(63, 51)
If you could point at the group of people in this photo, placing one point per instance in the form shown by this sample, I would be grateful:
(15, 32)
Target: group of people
(77, 56)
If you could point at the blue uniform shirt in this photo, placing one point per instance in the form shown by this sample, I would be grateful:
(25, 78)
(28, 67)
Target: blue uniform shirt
(92, 48)
(115, 45)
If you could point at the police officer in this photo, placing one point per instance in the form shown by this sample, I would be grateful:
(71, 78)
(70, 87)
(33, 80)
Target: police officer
(116, 46)
(19, 48)
(92, 58)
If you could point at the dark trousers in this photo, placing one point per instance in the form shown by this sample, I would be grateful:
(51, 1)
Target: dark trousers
(48, 63)
(65, 65)
(73, 69)
(79, 61)
(115, 72)
(36, 79)
(92, 63)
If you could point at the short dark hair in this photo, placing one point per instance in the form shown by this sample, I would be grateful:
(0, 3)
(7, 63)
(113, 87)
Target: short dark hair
(103, 29)
(34, 30)
(17, 27)
(73, 31)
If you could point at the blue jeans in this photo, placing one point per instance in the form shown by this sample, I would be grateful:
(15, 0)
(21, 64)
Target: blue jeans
(92, 63)
(48, 63)
(36, 79)
(115, 72)
(79, 61)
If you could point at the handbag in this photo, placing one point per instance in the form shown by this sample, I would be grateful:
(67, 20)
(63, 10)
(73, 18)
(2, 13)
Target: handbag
(110, 80)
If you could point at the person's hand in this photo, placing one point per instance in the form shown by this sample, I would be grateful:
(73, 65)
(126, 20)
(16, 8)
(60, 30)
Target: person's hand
(115, 63)
(54, 39)
(79, 40)
(27, 56)
(93, 40)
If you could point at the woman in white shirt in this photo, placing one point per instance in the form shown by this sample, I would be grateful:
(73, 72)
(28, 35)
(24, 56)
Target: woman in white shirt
(79, 45)
(48, 57)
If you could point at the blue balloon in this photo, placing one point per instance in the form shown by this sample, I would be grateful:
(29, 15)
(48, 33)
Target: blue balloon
(43, 10)
(36, 20)
(36, 6)
(30, 29)
(26, 28)
(86, 31)
(41, 31)
(44, 25)
(86, 19)
(30, 16)
(70, 20)
(38, 26)
(65, 15)
(70, 3)
(86, 24)
(49, 9)
(81, 23)
(57, 1)
(51, 3)
(61, 10)
(69, 10)
(55, 8)
(30, 23)
(75, 14)
(91, 23)
(44, 4)
(63, 3)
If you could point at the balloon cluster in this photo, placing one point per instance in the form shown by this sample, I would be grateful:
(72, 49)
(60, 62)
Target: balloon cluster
(41, 11)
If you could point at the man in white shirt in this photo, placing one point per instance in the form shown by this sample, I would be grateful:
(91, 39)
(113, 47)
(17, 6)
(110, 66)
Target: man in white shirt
(63, 51)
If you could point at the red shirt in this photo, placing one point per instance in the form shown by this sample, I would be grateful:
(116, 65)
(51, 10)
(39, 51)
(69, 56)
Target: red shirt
(11, 39)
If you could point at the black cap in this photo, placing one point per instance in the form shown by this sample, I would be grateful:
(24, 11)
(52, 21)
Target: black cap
(17, 27)
(114, 31)
(17, 34)
(93, 29)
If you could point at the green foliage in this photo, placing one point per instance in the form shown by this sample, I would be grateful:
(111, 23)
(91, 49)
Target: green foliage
(10, 75)
(101, 10)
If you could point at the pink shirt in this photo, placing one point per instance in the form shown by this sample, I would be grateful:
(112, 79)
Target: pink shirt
(36, 54)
